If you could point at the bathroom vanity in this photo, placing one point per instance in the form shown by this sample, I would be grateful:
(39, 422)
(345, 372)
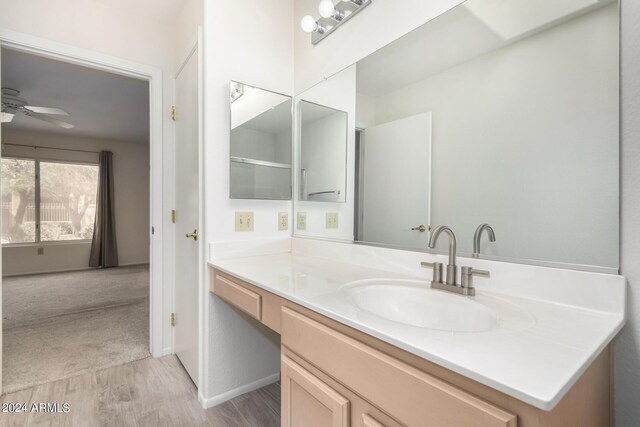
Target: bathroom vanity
(516, 358)
(496, 120)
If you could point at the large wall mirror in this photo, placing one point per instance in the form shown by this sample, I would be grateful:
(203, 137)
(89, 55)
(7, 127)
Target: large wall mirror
(497, 112)
(261, 143)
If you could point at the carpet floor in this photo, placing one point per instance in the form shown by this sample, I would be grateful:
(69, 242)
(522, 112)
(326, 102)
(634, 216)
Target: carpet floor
(59, 325)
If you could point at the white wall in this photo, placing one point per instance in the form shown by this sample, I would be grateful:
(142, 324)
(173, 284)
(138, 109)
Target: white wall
(187, 20)
(141, 31)
(250, 42)
(571, 130)
(131, 186)
(627, 361)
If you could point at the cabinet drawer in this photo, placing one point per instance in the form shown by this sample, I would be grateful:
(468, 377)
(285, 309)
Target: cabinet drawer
(238, 296)
(411, 396)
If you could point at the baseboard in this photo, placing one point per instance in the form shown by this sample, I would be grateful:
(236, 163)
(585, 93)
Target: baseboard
(221, 398)
(62, 270)
(69, 270)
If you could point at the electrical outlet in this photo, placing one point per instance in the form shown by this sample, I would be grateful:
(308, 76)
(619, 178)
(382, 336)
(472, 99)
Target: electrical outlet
(302, 221)
(40, 251)
(331, 220)
(244, 221)
(283, 221)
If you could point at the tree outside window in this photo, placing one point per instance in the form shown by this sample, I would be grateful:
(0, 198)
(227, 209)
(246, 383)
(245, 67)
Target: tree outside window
(67, 201)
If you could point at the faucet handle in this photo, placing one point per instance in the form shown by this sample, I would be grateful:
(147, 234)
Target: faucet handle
(437, 270)
(468, 273)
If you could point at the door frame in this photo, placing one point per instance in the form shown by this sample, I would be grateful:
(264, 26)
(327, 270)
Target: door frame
(196, 46)
(58, 51)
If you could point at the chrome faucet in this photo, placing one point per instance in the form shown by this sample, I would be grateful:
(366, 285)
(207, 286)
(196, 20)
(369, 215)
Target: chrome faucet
(478, 236)
(452, 269)
(466, 285)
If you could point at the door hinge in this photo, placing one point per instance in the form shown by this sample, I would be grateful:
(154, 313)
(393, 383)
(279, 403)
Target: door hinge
(173, 216)
(174, 113)
(173, 319)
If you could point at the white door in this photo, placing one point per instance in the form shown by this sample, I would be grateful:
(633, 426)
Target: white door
(392, 203)
(187, 216)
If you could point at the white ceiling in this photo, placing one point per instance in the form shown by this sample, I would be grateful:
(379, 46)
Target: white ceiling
(158, 10)
(100, 104)
(468, 31)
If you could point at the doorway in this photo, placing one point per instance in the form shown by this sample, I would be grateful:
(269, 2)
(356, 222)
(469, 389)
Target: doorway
(151, 77)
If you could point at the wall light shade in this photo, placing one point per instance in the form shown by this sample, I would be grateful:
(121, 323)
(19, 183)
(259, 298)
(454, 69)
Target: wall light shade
(308, 24)
(326, 8)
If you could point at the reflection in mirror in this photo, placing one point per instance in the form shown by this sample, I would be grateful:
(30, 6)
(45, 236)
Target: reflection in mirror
(260, 146)
(327, 155)
(393, 206)
(497, 112)
(323, 153)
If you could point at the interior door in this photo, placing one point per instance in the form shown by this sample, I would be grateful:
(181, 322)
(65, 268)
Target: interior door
(187, 216)
(393, 205)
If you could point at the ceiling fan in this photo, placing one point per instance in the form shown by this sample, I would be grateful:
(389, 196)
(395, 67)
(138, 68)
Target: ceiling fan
(12, 104)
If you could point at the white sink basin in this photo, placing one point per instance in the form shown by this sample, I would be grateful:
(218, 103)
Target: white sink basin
(413, 302)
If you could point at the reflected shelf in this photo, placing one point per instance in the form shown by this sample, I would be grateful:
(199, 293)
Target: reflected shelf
(260, 162)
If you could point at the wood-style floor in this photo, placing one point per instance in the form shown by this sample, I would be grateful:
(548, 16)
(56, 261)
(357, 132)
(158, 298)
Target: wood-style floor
(148, 392)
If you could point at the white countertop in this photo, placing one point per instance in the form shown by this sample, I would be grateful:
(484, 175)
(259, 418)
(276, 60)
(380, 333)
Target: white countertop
(536, 353)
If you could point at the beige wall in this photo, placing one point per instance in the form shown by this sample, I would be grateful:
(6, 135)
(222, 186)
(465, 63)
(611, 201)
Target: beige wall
(131, 184)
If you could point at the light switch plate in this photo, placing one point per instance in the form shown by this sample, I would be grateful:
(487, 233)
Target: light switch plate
(302, 221)
(331, 220)
(283, 221)
(244, 221)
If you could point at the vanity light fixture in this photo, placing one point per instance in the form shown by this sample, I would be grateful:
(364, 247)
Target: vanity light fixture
(332, 15)
(328, 10)
(310, 25)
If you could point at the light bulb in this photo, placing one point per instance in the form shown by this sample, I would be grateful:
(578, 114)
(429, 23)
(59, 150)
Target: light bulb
(308, 24)
(326, 8)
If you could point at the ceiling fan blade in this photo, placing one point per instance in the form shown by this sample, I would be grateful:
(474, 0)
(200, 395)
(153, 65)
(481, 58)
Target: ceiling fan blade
(49, 119)
(46, 110)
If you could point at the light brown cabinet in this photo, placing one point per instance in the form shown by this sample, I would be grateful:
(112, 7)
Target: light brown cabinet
(307, 401)
(407, 394)
(334, 375)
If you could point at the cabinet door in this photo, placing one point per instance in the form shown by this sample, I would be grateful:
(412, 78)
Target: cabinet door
(309, 402)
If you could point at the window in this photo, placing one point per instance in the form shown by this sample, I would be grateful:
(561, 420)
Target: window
(47, 201)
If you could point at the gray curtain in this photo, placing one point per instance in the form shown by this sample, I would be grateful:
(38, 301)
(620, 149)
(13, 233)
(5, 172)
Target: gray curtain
(104, 250)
